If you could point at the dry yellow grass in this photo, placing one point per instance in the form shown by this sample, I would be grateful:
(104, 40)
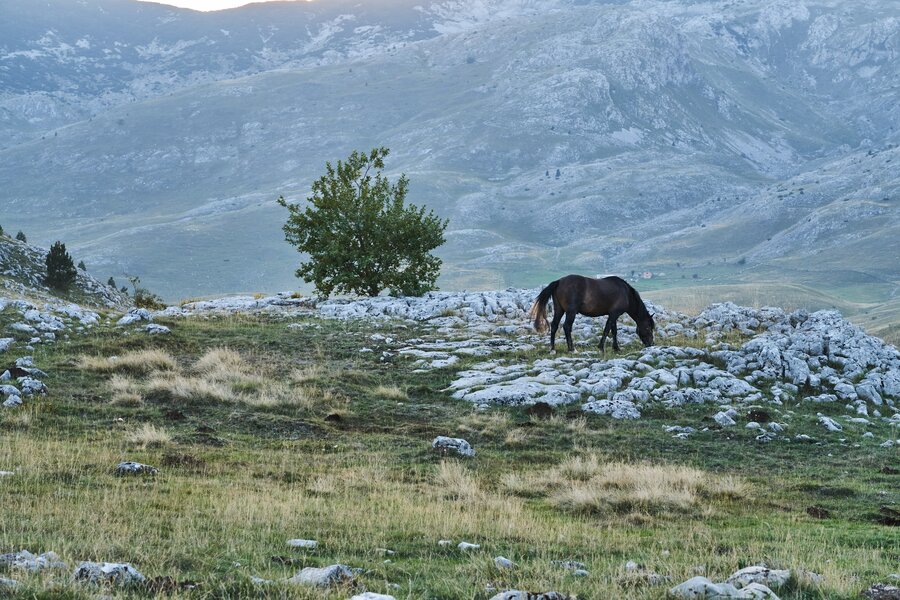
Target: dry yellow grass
(148, 436)
(516, 437)
(188, 389)
(456, 482)
(391, 392)
(136, 362)
(588, 484)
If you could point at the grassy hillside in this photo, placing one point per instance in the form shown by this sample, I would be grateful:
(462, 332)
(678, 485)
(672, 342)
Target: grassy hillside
(264, 433)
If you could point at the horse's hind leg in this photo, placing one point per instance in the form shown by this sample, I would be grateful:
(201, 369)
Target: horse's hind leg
(554, 325)
(567, 327)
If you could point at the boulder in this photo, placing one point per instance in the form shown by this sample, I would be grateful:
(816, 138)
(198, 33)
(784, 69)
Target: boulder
(519, 595)
(306, 544)
(372, 596)
(447, 445)
(156, 329)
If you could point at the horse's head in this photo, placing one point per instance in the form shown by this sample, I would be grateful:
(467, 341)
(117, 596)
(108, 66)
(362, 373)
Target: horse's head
(645, 329)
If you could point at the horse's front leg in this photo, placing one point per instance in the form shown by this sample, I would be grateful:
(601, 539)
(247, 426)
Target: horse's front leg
(567, 327)
(606, 329)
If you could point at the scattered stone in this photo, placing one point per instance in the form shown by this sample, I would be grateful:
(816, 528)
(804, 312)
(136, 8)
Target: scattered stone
(8, 583)
(617, 409)
(504, 563)
(445, 543)
(465, 546)
(447, 445)
(723, 419)
(135, 468)
(701, 587)
(12, 401)
(372, 596)
(882, 591)
(323, 577)
(156, 329)
(26, 561)
(829, 423)
(134, 315)
(121, 574)
(306, 544)
(519, 595)
(773, 578)
(569, 565)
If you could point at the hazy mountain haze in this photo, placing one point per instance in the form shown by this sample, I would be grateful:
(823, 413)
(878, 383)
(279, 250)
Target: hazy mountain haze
(730, 142)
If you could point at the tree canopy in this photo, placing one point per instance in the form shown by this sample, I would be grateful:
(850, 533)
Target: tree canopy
(360, 235)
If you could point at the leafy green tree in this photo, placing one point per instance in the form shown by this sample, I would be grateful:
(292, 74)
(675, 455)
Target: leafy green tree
(111, 283)
(1, 229)
(360, 235)
(21, 237)
(60, 268)
(81, 265)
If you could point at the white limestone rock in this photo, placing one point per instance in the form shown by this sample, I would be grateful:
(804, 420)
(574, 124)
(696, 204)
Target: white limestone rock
(447, 445)
(157, 329)
(372, 596)
(323, 577)
(304, 544)
(135, 468)
(773, 578)
(504, 563)
(135, 315)
(617, 409)
(121, 574)
(520, 595)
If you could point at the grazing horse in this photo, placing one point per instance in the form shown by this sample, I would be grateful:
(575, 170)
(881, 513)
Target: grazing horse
(575, 294)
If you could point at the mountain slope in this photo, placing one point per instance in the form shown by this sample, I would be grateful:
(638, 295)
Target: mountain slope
(556, 136)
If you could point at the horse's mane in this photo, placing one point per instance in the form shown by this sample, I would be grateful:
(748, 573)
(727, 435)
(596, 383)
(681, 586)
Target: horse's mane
(638, 303)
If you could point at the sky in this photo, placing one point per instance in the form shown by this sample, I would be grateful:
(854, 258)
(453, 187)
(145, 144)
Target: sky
(206, 4)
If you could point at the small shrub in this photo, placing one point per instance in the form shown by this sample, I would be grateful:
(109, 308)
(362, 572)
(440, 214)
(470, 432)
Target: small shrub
(21, 237)
(61, 272)
(391, 392)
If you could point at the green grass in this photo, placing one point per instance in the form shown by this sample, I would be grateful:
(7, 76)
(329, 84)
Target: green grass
(342, 455)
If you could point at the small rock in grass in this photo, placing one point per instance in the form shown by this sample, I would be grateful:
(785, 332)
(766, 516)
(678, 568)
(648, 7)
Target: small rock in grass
(27, 561)
(829, 423)
(504, 563)
(723, 419)
(372, 596)
(464, 546)
(156, 329)
(122, 574)
(773, 578)
(701, 587)
(447, 445)
(307, 544)
(519, 595)
(12, 402)
(580, 573)
(135, 468)
(323, 577)
(882, 591)
(8, 583)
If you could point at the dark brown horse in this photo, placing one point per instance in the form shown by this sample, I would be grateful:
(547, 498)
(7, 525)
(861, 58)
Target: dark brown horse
(575, 294)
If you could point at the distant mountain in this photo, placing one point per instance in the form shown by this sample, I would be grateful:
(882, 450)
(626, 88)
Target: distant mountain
(732, 141)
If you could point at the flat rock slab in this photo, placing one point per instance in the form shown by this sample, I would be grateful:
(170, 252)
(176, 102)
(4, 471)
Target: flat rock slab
(323, 577)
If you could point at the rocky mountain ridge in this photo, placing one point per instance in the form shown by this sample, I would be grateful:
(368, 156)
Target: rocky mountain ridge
(557, 136)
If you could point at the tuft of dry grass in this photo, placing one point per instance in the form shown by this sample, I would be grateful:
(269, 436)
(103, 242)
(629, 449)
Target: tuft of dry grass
(138, 362)
(391, 392)
(586, 484)
(493, 423)
(188, 389)
(148, 436)
(456, 482)
(516, 437)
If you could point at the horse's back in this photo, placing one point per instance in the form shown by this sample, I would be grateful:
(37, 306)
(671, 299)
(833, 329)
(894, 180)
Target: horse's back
(593, 297)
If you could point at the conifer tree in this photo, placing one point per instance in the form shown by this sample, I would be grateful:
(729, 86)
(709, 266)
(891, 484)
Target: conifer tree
(60, 268)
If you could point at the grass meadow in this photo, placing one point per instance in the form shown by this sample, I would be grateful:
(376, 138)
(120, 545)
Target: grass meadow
(264, 433)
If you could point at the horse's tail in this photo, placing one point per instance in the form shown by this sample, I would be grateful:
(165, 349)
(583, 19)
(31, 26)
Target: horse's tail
(538, 310)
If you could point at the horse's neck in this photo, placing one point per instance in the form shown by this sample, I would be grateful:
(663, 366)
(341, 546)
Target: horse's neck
(636, 309)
